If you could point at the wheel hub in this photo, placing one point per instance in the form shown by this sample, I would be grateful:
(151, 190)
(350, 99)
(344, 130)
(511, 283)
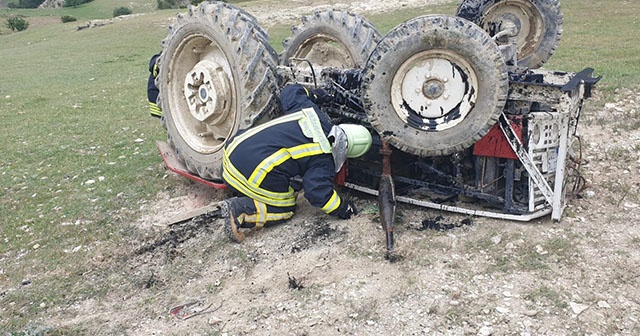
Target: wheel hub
(207, 90)
(433, 88)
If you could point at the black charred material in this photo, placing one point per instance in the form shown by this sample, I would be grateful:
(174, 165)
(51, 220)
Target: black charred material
(294, 283)
(438, 224)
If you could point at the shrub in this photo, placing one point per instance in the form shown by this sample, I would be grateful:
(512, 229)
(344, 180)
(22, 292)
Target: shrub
(17, 23)
(121, 11)
(75, 3)
(167, 4)
(67, 18)
(26, 4)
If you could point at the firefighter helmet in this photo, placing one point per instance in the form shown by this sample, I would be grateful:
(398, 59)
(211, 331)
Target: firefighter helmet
(348, 141)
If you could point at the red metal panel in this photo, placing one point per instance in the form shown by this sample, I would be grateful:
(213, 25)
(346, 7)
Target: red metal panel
(495, 144)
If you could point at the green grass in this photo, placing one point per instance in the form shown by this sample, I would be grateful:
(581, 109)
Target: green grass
(601, 35)
(73, 110)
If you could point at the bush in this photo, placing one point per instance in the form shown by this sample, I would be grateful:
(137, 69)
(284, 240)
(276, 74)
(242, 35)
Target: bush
(26, 4)
(167, 4)
(172, 4)
(75, 3)
(17, 23)
(121, 11)
(67, 18)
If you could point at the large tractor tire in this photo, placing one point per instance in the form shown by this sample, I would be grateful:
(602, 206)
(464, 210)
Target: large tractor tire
(434, 85)
(331, 38)
(217, 76)
(538, 25)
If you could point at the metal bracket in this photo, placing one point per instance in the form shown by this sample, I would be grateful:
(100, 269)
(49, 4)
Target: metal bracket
(526, 160)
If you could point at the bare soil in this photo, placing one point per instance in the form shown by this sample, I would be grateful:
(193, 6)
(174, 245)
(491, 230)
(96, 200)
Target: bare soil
(317, 275)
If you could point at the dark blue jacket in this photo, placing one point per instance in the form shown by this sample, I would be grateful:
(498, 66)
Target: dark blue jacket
(278, 136)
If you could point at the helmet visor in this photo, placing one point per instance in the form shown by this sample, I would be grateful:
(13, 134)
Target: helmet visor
(338, 140)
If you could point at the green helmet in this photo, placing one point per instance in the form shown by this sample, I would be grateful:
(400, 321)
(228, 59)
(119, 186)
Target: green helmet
(348, 141)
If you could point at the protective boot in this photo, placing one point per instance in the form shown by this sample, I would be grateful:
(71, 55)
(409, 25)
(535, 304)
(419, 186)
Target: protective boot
(234, 220)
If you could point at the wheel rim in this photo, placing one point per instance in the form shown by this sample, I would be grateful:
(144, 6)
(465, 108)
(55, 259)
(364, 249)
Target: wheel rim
(325, 51)
(202, 96)
(434, 90)
(524, 16)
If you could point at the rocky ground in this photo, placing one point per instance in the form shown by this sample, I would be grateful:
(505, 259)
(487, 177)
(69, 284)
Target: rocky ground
(321, 276)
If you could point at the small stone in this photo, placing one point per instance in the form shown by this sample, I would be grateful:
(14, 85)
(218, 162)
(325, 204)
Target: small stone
(578, 308)
(214, 320)
(502, 310)
(36, 246)
(530, 312)
(485, 331)
(540, 250)
(603, 304)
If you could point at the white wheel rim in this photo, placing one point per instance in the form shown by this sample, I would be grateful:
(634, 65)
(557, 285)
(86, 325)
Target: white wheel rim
(434, 90)
(200, 73)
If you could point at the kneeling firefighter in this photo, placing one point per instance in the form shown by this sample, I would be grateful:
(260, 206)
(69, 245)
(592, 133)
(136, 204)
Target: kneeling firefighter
(264, 164)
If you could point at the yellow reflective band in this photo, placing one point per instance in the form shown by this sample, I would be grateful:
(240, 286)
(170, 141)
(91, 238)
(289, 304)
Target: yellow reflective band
(261, 213)
(312, 129)
(279, 157)
(267, 165)
(235, 175)
(154, 109)
(279, 216)
(270, 217)
(232, 176)
(156, 69)
(252, 131)
(305, 150)
(332, 204)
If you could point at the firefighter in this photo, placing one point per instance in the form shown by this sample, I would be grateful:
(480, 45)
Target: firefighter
(152, 90)
(267, 164)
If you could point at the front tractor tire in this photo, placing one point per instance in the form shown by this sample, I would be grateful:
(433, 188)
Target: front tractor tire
(434, 85)
(217, 76)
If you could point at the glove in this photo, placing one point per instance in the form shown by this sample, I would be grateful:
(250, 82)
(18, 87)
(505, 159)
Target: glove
(346, 210)
(320, 97)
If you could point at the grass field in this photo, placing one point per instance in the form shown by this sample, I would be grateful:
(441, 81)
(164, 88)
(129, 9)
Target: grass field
(78, 159)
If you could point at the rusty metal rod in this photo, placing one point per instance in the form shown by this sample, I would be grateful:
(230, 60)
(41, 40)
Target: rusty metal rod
(387, 200)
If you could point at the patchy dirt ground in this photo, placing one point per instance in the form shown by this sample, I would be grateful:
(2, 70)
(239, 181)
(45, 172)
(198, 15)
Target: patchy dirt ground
(291, 11)
(321, 276)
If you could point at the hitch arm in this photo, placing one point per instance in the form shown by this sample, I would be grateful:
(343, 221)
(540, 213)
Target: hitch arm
(387, 200)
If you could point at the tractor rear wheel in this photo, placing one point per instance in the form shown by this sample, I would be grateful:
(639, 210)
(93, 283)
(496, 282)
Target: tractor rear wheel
(331, 38)
(538, 25)
(217, 76)
(434, 85)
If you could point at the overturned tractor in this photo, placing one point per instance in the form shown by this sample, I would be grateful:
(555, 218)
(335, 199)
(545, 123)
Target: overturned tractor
(462, 117)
